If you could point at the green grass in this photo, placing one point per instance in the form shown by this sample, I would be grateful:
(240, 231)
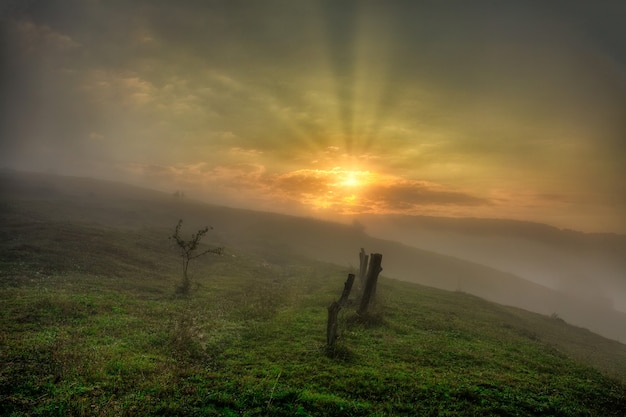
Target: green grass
(90, 324)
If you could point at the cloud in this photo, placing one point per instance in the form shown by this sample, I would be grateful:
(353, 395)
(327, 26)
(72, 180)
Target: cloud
(334, 190)
(238, 152)
(403, 194)
(295, 185)
(494, 106)
(199, 174)
(115, 88)
(363, 191)
(39, 39)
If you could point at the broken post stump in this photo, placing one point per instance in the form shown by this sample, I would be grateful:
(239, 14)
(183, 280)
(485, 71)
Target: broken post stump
(333, 312)
(331, 327)
(370, 284)
(347, 287)
(363, 258)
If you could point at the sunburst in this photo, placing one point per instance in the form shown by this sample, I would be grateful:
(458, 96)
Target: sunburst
(351, 178)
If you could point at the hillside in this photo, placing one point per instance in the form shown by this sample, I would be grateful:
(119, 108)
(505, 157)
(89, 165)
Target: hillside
(91, 325)
(588, 266)
(117, 205)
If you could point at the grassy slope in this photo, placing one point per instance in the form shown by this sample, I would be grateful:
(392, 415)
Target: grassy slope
(90, 325)
(116, 205)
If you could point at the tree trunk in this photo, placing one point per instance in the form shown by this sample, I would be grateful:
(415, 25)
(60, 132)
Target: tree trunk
(186, 284)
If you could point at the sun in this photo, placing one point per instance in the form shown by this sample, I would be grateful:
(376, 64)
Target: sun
(335, 189)
(351, 179)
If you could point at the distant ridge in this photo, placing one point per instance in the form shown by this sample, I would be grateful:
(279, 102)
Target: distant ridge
(583, 265)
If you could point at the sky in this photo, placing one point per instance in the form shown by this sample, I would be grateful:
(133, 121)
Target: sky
(499, 109)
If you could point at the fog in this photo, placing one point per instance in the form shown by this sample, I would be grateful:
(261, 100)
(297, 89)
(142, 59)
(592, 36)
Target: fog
(567, 274)
(585, 266)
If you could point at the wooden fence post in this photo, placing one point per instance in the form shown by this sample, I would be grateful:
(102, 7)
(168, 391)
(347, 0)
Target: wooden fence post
(363, 258)
(333, 312)
(370, 284)
(331, 326)
(347, 287)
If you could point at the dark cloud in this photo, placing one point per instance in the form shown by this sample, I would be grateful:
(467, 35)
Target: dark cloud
(406, 194)
(297, 184)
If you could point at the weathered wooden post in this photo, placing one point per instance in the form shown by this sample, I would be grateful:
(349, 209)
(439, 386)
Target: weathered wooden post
(333, 312)
(363, 258)
(347, 287)
(370, 284)
(331, 326)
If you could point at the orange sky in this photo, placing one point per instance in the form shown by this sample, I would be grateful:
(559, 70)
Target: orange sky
(329, 108)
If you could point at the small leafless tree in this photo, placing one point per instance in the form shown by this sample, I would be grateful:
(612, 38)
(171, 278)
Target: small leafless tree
(188, 251)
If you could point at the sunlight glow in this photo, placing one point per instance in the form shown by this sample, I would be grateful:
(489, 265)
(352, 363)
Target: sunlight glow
(351, 179)
(335, 189)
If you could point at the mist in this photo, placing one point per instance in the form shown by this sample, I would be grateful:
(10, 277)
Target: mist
(565, 274)
(586, 266)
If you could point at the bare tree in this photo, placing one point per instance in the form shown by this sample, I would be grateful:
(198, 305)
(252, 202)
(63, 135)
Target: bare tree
(188, 251)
